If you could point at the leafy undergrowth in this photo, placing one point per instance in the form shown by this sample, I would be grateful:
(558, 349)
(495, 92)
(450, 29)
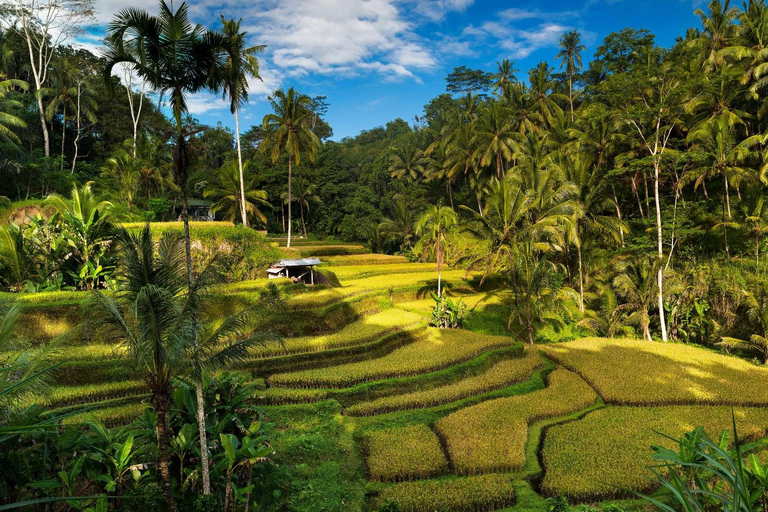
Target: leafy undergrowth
(637, 372)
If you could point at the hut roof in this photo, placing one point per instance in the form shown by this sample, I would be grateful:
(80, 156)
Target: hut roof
(303, 262)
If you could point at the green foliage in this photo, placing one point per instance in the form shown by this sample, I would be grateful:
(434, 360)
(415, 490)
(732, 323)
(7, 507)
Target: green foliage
(448, 314)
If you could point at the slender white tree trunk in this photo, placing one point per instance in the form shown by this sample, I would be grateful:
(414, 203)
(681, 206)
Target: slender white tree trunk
(290, 170)
(77, 134)
(240, 167)
(660, 240)
(581, 279)
(63, 135)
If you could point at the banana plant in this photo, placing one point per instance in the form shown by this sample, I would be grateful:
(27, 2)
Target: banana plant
(238, 456)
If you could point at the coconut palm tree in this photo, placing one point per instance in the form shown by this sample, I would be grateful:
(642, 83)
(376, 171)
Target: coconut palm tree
(9, 121)
(226, 194)
(176, 58)
(756, 302)
(305, 193)
(407, 161)
(757, 220)
(399, 226)
(494, 137)
(287, 131)
(241, 65)
(61, 97)
(570, 59)
(504, 77)
(433, 228)
(590, 187)
(160, 321)
(636, 284)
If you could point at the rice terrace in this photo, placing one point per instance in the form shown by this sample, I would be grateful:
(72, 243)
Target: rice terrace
(383, 256)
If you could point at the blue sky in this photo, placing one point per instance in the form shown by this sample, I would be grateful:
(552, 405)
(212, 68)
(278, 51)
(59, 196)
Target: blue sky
(377, 60)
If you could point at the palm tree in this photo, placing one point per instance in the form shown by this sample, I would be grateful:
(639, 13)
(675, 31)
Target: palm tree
(175, 58)
(504, 77)
(514, 214)
(399, 226)
(433, 228)
(542, 85)
(16, 265)
(494, 137)
(570, 57)
(123, 170)
(156, 316)
(61, 97)
(636, 284)
(535, 300)
(756, 303)
(8, 120)
(590, 187)
(226, 193)
(241, 65)
(723, 155)
(287, 131)
(305, 194)
(758, 221)
(407, 161)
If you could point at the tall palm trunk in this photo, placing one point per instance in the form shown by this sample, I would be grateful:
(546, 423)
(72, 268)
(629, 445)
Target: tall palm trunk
(290, 171)
(63, 135)
(581, 278)
(439, 269)
(240, 167)
(181, 163)
(161, 407)
(660, 240)
(618, 215)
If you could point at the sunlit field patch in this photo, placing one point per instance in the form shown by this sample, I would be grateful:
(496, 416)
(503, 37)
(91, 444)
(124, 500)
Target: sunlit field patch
(359, 271)
(465, 494)
(367, 259)
(503, 373)
(640, 372)
(491, 436)
(437, 349)
(367, 329)
(610, 448)
(404, 453)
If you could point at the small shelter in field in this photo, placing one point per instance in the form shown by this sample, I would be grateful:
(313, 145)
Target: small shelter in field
(301, 270)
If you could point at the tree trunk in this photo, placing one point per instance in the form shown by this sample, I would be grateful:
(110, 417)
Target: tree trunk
(570, 92)
(439, 255)
(581, 279)
(637, 196)
(46, 137)
(290, 170)
(161, 407)
(240, 167)
(646, 328)
(63, 135)
(181, 163)
(77, 135)
(660, 240)
(618, 215)
(727, 196)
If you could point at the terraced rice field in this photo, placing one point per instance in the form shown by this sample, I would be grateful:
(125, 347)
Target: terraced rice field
(373, 406)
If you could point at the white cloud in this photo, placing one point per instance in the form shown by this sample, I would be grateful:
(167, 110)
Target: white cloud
(436, 10)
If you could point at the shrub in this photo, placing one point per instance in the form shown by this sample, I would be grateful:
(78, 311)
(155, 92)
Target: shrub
(491, 436)
(609, 448)
(404, 453)
(503, 373)
(438, 349)
(636, 372)
(447, 314)
(468, 494)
